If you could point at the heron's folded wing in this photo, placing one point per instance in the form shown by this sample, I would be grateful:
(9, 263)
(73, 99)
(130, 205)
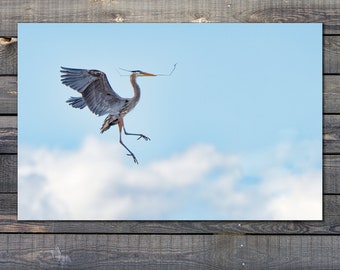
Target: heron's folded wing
(94, 87)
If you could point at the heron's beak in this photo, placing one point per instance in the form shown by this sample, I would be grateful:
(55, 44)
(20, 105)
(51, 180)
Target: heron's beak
(148, 74)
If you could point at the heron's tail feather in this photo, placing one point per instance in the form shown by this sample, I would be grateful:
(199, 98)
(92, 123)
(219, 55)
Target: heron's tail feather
(76, 102)
(109, 121)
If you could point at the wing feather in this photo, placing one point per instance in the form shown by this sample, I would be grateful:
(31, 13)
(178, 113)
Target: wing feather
(94, 88)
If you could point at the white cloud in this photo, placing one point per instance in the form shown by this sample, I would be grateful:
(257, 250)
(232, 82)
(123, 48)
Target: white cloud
(98, 182)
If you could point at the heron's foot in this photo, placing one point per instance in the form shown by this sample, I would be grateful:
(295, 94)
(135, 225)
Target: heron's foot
(144, 137)
(134, 157)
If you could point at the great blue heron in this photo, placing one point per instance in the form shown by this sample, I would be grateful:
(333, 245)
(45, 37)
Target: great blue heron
(99, 97)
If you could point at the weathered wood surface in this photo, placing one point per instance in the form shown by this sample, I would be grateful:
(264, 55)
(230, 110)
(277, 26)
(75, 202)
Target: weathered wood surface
(331, 134)
(326, 12)
(331, 174)
(8, 95)
(331, 94)
(73, 251)
(331, 53)
(8, 173)
(8, 134)
(169, 245)
(8, 55)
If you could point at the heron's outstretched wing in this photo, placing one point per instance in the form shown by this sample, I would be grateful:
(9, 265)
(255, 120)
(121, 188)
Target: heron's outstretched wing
(76, 102)
(95, 89)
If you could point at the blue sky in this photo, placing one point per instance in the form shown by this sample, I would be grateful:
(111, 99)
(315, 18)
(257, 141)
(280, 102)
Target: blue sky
(247, 91)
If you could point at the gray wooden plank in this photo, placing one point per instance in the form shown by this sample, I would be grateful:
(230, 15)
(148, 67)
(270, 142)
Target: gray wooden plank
(331, 134)
(8, 95)
(331, 174)
(331, 94)
(8, 173)
(15, 11)
(228, 250)
(8, 134)
(8, 55)
(330, 224)
(331, 50)
(77, 251)
(8, 204)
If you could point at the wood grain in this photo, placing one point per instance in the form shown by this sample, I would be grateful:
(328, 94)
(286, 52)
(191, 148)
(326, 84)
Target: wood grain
(331, 94)
(8, 173)
(331, 174)
(77, 251)
(8, 95)
(8, 204)
(331, 50)
(169, 245)
(331, 134)
(8, 55)
(8, 134)
(12, 12)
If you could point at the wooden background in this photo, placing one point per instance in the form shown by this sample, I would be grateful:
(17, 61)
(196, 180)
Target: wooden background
(169, 245)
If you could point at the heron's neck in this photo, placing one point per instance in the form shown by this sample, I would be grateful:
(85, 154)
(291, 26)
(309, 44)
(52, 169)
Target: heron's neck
(135, 86)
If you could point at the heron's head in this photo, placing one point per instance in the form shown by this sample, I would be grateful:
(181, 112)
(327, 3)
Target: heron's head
(139, 73)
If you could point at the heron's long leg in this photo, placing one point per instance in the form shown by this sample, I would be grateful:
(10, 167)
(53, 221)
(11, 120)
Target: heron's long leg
(140, 135)
(120, 126)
